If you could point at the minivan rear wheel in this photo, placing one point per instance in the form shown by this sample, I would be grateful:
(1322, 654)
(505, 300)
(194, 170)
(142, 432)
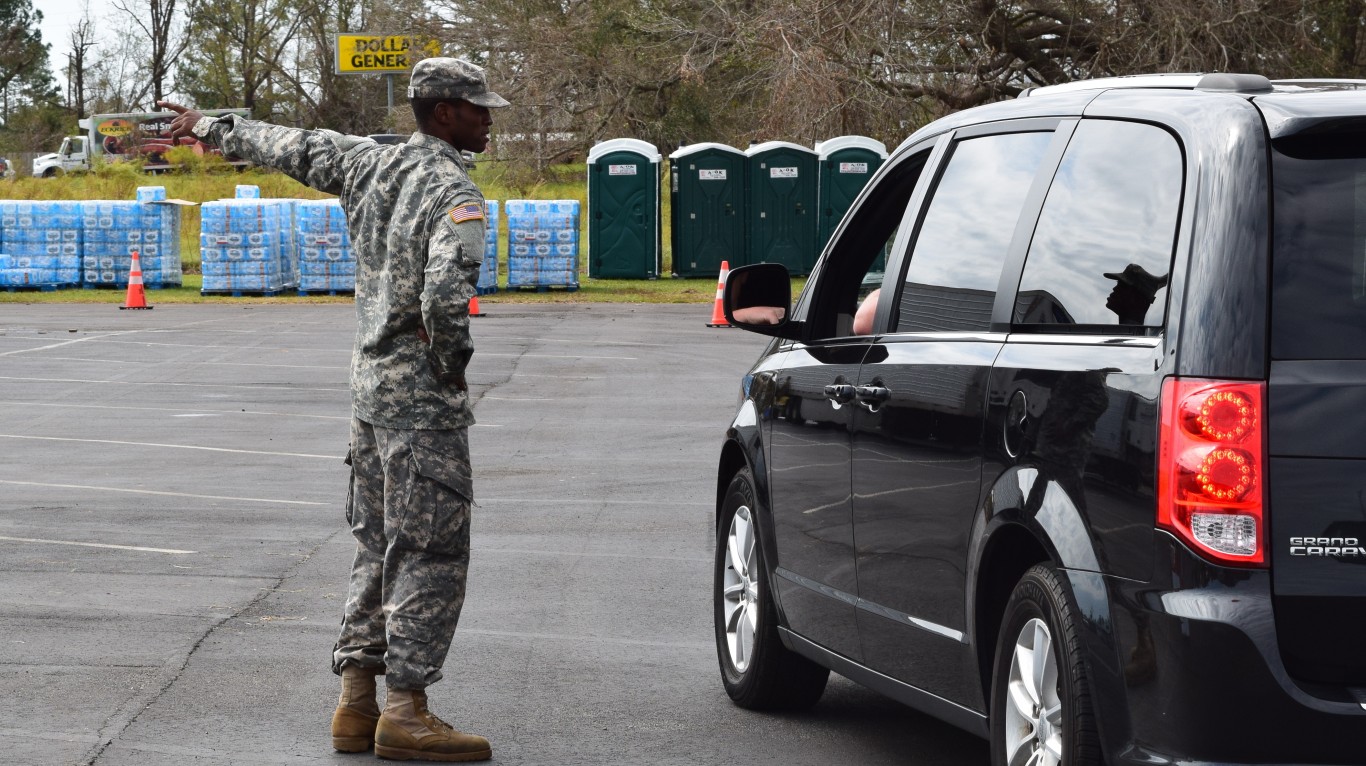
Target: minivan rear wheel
(1041, 711)
(757, 670)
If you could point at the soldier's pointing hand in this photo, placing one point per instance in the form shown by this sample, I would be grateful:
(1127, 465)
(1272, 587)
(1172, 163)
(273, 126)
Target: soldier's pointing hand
(184, 121)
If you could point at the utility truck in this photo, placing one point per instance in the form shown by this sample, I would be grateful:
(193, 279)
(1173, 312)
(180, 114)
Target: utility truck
(122, 137)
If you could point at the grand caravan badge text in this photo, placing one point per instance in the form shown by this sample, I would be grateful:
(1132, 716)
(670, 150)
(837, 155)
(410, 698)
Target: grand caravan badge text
(1326, 546)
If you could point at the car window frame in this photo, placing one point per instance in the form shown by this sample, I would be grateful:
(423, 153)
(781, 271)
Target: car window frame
(1100, 333)
(935, 146)
(909, 228)
(898, 262)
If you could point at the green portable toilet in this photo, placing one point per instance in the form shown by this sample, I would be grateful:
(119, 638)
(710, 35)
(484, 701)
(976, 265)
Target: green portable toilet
(782, 206)
(707, 208)
(624, 229)
(847, 164)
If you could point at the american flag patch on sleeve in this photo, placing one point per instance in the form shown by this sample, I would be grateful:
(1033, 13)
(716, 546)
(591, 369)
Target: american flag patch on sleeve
(471, 212)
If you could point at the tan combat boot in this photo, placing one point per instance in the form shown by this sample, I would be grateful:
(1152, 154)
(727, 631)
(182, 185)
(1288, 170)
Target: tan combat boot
(408, 731)
(353, 725)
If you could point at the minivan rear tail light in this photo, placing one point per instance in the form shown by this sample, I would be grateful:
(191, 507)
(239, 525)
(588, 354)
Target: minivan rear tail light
(1211, 468)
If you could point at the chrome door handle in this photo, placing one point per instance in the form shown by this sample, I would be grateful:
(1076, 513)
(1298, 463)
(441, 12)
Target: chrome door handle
(873, 394)
(840, 393)
(872, 397)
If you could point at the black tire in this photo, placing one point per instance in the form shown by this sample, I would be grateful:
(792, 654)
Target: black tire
(1040, 607)
(772, 677)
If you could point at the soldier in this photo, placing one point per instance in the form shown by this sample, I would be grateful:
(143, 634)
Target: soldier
(417, 226)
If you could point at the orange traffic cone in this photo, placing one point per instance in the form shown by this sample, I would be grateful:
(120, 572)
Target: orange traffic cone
(137, 298)
(718, 311)
(474, 306)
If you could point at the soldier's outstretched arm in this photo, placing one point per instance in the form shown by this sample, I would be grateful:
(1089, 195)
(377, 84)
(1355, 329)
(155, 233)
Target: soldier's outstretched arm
(455, 252)
(314, 157)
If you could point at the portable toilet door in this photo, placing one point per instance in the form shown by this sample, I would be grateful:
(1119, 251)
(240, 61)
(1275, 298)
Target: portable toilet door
(624, 229)
(707, 208)
(782, 205)
(847, 164)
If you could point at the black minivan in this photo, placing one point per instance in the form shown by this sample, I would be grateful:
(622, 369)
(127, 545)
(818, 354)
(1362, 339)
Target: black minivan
(1092, 481)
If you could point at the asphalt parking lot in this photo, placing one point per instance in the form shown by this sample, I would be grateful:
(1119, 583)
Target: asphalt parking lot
(175, 558)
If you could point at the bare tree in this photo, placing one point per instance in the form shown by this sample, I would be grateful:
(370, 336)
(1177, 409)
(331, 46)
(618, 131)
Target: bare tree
(116, 79)
(575, 71)
(163, 36)
(320, 94)
(673, 71)
(237, 51)
(804, 70)
(81, 41)
(348, 103)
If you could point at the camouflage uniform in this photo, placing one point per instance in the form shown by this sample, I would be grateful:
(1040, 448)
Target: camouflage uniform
(417, 228)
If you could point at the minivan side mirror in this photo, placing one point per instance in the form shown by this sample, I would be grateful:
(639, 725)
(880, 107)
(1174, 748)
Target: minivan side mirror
(758, 298)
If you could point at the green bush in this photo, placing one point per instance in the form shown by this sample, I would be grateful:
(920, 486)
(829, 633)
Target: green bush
(185, 159)
(122, 173)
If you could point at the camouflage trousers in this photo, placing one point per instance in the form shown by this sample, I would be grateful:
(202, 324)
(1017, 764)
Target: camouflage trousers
(409, 509)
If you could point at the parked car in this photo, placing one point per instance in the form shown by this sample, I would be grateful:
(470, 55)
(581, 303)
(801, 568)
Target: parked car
(1093, 486)
(6, 169)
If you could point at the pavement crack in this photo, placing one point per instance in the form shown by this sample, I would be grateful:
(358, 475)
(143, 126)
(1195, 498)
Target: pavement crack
(489, 388)
(107, 739)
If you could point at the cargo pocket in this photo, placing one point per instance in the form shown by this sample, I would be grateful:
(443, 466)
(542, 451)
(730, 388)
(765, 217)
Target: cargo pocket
(415, 626)
(439, 491)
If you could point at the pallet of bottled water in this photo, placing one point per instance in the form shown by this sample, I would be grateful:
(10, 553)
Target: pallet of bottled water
(326, 262)
(488, 272)
(289, 246)
(167, 238)
(289, 241)
(42, 243)
(241, 248)
(543, 243)
(43, 272)
(112, 230)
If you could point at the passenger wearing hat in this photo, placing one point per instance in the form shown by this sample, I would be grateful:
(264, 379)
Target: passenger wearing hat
(417, 228)
(1133, 293)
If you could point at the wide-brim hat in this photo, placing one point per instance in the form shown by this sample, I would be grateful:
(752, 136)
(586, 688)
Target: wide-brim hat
(1137, 277)
(455, 79)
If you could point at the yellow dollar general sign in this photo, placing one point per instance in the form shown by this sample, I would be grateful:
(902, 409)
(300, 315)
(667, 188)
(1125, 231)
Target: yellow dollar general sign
(381, 54)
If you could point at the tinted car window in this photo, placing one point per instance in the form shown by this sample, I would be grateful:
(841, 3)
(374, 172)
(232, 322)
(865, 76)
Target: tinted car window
(956, 264)
(1318, 291)
(1102, 251)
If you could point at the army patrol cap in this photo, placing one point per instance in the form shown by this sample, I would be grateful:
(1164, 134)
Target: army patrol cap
(454, 79)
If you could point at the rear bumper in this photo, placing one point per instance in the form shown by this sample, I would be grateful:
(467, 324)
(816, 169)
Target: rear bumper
(1190, 672)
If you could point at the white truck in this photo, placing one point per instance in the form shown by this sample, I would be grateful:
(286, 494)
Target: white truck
(119, 137)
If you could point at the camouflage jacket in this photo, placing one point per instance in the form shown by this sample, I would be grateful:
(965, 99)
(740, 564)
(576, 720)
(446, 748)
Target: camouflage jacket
(417, 230)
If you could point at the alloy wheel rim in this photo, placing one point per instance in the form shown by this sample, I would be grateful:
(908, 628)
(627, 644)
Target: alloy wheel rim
(740, 589)
(1033, 703)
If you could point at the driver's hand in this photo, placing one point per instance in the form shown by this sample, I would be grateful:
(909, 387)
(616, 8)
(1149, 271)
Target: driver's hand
(760, 314)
